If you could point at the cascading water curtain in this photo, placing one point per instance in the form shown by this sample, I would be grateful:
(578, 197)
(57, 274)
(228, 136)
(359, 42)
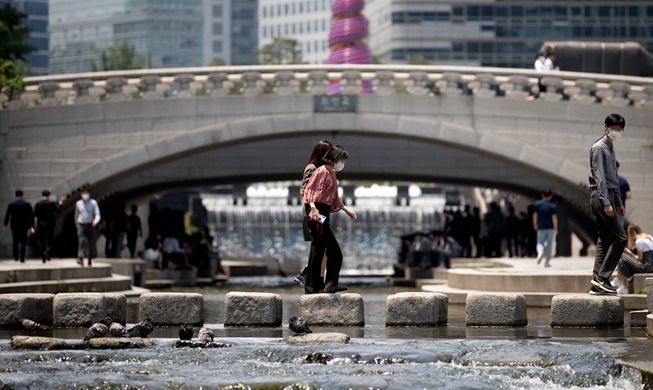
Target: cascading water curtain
(347, 40)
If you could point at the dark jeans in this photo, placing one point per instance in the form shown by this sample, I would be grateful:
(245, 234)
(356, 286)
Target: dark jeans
(19, 242)
(131, 243)
(323, 240)
(612, 237)
(46, 237)
(86, 240)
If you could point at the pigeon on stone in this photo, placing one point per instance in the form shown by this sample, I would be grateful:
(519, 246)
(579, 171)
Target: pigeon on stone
(27, 324)
(205, 335)
(99, 329)
(186, 331)
(116, 329)
(141, 329)
(299, 325)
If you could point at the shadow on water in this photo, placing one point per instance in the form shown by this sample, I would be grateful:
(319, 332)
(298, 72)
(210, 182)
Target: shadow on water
(452, 356)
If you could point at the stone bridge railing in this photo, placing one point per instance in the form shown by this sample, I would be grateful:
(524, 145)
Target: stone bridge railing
(184, 83)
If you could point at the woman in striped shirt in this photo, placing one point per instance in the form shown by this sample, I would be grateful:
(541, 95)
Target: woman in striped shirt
(320, 200)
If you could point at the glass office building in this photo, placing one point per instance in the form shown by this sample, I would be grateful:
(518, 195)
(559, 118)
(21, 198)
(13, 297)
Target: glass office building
(37, 21)
(165, 33)
(503, 33)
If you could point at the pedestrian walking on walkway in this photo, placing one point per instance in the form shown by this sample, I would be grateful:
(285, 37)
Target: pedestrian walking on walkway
(606, 204)
(45, 212)
(87, 217)
(320, 200)
(20, 218)
(545, 223)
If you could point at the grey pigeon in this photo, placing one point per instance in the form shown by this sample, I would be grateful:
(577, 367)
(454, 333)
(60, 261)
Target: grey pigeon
(299, 325)
(99, 329)
(186, 331)
(141, 329)
(205, 335)
(28, 324)
(117, 329)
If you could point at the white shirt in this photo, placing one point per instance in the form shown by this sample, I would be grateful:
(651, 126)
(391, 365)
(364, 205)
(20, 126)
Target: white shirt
(539, 64)
(644, 244)
(87, 212)
(548, 65)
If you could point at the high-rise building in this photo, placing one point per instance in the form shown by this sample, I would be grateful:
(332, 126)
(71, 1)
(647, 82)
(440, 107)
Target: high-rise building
(164, 33)
(503, 33)
(37, 21)
(307, 21)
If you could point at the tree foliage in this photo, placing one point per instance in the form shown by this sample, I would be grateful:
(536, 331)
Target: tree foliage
(13, 33)
(281, 51)
(217, 62)
(10, 76)
(418, 60)
(121, 57)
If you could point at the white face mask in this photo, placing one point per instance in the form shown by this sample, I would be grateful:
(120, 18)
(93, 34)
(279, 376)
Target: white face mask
(614, 134)
(86, 197)
(339, 166)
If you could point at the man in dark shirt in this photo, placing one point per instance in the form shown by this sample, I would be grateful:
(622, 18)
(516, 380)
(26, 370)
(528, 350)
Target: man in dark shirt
(624, 191)
(545, 223)
(45, 212)
(22, 219)
(607, 205)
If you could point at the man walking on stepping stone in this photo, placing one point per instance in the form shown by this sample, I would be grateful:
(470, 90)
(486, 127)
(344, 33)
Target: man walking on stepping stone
(545, 222)
(607, 205)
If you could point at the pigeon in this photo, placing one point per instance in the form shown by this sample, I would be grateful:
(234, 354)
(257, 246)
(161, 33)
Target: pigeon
(205, 335)
(186, 331)
(141, 329)
(299, 325)
(99, 329)
(116, 329)
(27, 324)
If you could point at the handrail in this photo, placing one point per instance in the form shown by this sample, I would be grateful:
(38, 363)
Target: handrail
(426, 80)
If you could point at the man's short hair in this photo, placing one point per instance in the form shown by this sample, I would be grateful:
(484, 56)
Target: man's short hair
(45, 193)
(547, 193)
(19, 192)
(615, 120)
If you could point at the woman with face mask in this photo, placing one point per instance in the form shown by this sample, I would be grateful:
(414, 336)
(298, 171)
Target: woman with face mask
(320, 200)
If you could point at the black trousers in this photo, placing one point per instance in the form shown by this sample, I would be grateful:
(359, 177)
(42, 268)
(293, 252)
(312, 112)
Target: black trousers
(612, 237)
(323, 240)
(19, 242)
(46, 237)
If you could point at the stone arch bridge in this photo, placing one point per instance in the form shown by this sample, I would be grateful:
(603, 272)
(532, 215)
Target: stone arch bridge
(137, 132)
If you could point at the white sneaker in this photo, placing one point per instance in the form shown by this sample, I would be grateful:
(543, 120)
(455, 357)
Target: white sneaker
(540, 255)
(622, 290)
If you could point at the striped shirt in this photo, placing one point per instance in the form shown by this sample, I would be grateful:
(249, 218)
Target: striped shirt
(323, 188)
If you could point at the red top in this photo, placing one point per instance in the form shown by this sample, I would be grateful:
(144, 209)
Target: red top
(323, 188)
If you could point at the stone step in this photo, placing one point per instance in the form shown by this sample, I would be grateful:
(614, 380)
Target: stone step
(113, 283)
(12, 271)
(526, 282)
(533, 299)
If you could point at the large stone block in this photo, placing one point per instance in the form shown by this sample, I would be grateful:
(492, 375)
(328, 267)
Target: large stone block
(638, 318)
(36, 307)
(332, 309)
(584, 310)
(416, 309)
(496, 309)
(170, 309)
(252, 309)
(649, 325)
(84, 309)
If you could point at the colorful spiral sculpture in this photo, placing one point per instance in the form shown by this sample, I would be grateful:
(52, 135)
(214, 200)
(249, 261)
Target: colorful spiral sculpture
(347, 39)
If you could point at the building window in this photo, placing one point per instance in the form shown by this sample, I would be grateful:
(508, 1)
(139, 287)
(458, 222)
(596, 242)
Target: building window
(217, 46)
(217, 11)
(217, 28)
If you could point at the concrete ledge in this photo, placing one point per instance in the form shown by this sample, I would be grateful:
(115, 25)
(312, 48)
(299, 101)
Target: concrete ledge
(40, 343)
(638, 318)
(36, 307)
(496, 309)
(169, 309)
(584, 310)
(53, 343)
(117, 343)
(252, 309)
(332, 309)
(416, 309)
(84, 309)
(319, 338)
(649, 294)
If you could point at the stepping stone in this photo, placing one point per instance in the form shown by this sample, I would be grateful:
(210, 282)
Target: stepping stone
(496, 309)
(36, 307)
(252, 309)
(416, 309)
(84, 309)
(584, 310)
(332, 309)
(170, 309)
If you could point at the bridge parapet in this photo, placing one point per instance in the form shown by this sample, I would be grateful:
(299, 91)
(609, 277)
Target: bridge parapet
(159, 84)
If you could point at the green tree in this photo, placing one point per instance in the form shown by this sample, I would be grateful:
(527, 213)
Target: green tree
(10, 76)
(121, 57)
(14, 33)
(281, 51)
(217, 62)
(418, 60)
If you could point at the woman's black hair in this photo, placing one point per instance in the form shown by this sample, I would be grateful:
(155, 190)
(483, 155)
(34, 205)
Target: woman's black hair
(336, 153)
(319, 150)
